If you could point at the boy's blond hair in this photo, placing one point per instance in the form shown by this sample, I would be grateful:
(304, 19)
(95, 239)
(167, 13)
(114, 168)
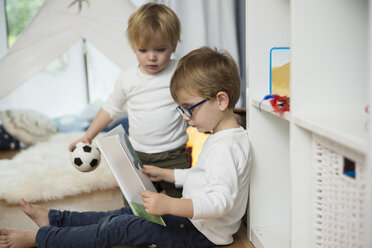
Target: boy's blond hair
(151, 21)
(205, 72)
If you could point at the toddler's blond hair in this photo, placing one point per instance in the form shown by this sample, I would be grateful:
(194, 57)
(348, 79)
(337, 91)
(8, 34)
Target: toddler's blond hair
(153, 21)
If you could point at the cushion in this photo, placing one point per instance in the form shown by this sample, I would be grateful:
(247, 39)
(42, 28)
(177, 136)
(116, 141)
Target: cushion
(119, 121)
(28, 126)
(7, 141)
(72, 123)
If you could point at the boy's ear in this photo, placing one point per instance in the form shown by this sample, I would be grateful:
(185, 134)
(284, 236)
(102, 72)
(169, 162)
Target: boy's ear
(174, 48)
(222, 99)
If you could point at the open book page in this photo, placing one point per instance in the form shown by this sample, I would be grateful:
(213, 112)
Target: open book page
(133, 157)
(125, 165)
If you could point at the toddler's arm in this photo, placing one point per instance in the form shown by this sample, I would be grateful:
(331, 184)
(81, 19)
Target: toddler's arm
(99, 123)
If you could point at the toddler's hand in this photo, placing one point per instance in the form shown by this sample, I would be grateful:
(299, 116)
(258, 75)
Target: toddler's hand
(155, 203)
(83, 139)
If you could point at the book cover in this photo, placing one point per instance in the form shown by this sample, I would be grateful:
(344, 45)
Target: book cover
(125, 165)
(280, 71)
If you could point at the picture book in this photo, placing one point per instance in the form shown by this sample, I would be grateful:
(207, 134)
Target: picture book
(280, 71)
(116, 149)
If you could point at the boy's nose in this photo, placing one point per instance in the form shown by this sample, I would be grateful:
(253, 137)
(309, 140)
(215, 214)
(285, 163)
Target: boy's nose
(152, 56)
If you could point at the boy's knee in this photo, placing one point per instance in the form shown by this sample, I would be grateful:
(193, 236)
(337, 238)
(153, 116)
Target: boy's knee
(111, 229)
(110, 222)
(122, 229)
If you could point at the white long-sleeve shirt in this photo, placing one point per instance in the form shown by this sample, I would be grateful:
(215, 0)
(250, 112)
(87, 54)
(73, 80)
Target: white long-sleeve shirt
(218, 184)
(154, 123)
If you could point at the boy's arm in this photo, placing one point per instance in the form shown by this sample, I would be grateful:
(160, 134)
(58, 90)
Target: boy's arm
(160, 204)
(100, 122)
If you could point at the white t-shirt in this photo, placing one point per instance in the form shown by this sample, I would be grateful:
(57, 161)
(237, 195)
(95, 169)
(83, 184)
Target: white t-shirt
(154, 123)
(218, 184)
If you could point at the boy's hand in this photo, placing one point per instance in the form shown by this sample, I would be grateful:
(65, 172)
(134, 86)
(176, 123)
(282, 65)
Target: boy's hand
(155, 203)
(160, 204)
(157, 174)
(154, 173)
(83, 139)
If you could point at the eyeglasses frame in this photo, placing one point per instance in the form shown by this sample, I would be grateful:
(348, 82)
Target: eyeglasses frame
(188, 110)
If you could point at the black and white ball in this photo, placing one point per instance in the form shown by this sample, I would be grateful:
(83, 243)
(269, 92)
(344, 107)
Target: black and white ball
(85, 157)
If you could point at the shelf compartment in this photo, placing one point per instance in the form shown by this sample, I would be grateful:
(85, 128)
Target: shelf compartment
(346, 129)
(339, 195)
(270, 237)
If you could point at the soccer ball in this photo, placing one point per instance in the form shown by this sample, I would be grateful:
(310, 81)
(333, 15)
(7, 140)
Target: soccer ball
(85, 157)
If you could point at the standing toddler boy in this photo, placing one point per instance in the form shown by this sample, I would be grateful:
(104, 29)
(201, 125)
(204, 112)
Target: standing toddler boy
(157, 132)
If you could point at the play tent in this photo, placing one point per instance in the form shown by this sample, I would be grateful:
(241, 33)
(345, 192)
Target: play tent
(57, 26)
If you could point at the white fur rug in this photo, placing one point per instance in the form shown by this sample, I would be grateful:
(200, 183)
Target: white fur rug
(44, 172)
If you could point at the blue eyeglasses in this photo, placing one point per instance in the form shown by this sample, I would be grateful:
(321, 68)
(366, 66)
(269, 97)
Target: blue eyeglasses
(187, 110)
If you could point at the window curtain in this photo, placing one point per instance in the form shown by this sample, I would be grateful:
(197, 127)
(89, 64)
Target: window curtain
(215, 23)
(3, 34)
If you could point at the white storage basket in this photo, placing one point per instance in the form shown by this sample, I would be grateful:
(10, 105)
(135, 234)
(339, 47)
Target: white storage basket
(339, 195)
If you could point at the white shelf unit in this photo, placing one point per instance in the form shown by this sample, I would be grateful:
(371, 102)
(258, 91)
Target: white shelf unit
(330, 74)
(268, 24)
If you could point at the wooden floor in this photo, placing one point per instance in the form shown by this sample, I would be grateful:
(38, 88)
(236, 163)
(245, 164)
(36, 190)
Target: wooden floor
(8, 154)
(12, 217)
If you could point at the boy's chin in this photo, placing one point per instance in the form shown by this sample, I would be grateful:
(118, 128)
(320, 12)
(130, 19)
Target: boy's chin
(201, 130)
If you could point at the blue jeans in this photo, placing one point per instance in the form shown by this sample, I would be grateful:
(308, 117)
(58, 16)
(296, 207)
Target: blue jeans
(106, 229)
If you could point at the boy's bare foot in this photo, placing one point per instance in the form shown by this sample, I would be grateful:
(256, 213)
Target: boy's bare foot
(10, 238)
(38, 214)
